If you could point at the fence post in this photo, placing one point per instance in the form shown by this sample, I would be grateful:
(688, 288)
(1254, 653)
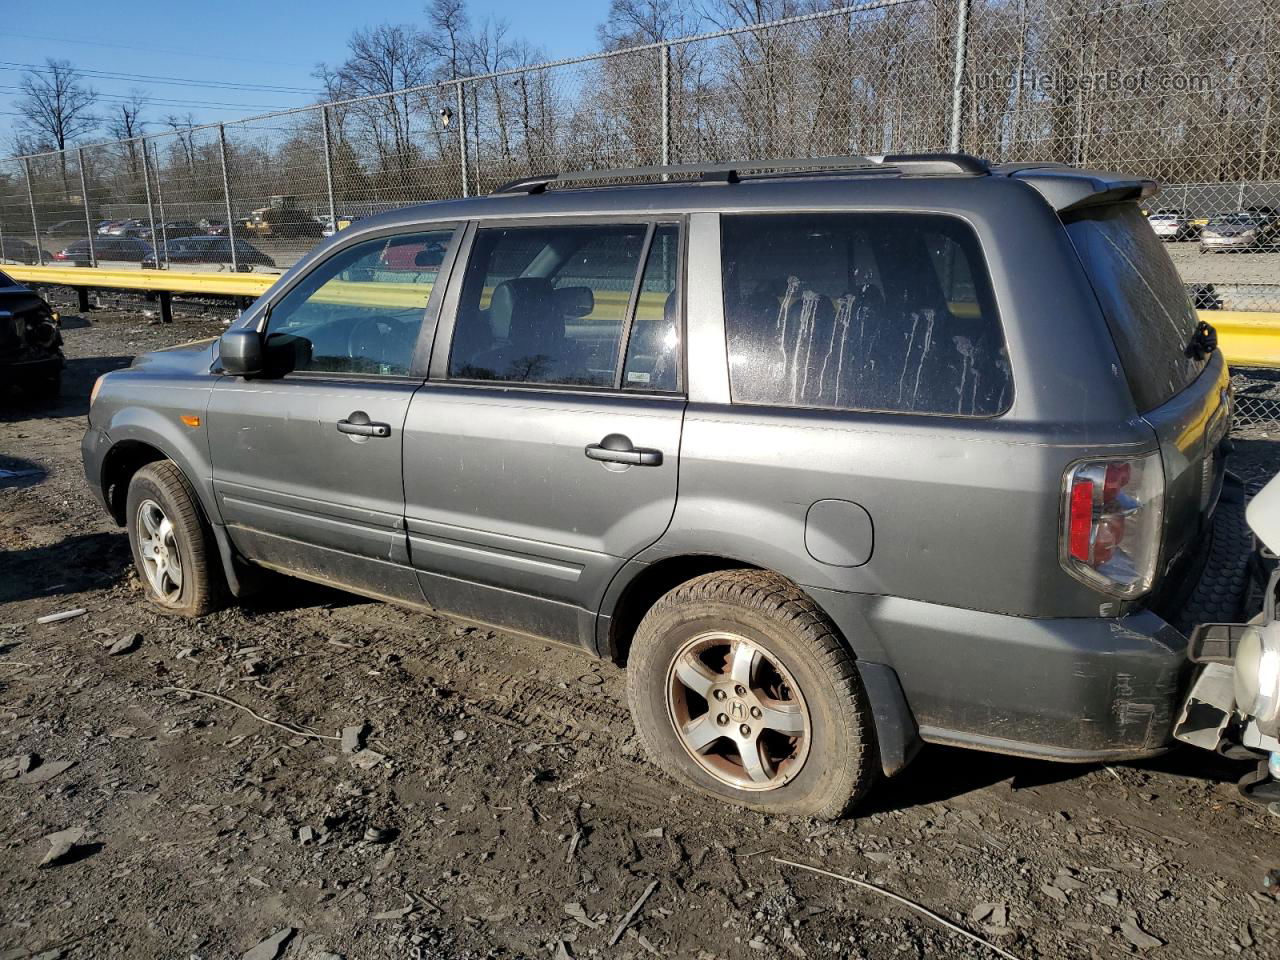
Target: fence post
(957, 77)
(664, 93)
(226, 194)
(151, 210)
(88, 224)
(31, 202)
(328, 166)
(461, 101)
(164, 233)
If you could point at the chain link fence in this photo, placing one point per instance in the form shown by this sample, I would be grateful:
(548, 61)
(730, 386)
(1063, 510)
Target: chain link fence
(1185, 91)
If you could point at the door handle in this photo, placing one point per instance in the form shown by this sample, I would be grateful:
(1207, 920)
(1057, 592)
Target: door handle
(358, 424)
(617, 448)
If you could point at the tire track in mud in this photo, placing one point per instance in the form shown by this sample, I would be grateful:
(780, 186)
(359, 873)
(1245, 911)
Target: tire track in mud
(514, 679)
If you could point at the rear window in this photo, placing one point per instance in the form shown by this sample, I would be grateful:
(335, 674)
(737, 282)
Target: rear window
(862, 311)
(1143, 298)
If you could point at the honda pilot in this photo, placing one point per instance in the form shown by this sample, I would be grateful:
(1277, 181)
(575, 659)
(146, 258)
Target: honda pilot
(835, 457)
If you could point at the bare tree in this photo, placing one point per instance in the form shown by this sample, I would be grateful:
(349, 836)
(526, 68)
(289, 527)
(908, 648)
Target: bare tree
(125, 123)
(55, 109)
(56, 106)
(450, 35)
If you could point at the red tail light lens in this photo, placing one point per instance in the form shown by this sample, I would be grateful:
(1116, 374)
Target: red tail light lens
(1112, 511)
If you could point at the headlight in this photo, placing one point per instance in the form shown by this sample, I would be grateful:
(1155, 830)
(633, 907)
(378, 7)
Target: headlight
(1257, 676)
(97, 385)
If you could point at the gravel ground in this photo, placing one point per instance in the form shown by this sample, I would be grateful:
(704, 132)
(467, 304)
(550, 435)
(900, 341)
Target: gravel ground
(490, 799)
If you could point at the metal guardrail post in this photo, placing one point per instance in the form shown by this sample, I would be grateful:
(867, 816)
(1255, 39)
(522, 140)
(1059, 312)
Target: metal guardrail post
(226, 193)
(31, 202)
(957, 77)
(88, 224)
(151, 210)
(328, 166)
(664, 83)
(461, 101)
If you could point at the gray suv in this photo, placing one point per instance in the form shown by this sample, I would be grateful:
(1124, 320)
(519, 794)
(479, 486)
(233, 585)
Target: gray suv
(836, 457)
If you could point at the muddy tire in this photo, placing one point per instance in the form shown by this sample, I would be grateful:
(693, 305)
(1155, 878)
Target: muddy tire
(173, 549)
(740, 687)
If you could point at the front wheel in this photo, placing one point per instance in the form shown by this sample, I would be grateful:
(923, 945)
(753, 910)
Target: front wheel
(740, 687)
(173, 549)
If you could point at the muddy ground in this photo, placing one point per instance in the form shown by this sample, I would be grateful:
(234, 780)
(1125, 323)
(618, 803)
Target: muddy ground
(501, 807)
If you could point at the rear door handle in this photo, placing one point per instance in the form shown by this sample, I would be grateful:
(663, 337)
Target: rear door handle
(358, 424)
(617, 448)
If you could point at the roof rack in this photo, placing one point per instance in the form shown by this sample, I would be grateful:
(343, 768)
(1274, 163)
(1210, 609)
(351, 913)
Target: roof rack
(911, 164)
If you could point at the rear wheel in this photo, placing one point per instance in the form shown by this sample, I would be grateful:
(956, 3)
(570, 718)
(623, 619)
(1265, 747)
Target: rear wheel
(173, 550)
(740, 687)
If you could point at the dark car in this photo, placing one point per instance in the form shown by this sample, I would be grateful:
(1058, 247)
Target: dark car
(205, 249)
(30, 341)
(129, 249)
(796, 448)
(173, 230)
(218, 228)
(19, 251)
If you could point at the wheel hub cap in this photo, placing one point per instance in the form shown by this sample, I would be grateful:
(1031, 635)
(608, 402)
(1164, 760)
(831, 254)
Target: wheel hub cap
(158, 547)
(737, 711)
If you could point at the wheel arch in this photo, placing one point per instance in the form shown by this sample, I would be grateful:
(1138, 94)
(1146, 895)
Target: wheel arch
(639, 585)
(130, 454)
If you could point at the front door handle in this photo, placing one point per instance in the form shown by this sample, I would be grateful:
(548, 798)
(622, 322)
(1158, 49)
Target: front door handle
(358, 424)
(617, 448)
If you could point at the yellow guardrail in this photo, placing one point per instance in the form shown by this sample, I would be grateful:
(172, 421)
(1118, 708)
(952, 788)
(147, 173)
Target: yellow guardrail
(1246, 338)
(152, 281)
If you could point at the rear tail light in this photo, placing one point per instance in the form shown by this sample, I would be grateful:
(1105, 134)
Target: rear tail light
(1112, 510)
(60, 255)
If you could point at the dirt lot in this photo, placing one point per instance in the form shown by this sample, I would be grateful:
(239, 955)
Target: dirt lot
(501, 807)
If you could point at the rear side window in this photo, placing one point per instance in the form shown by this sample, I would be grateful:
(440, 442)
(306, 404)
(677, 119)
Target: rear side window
(862, 311)
(1146, 305)
(548, 305)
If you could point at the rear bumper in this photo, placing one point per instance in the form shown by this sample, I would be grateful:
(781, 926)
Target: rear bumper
(1062, 689)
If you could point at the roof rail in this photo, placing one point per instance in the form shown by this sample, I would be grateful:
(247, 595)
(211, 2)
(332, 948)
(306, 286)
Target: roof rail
(917, 164)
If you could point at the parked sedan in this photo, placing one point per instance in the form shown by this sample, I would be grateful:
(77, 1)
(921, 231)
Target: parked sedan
(1172, 225)
(172, 229)
(210, 250)
(129, 249)
(1244, 230)
(127, 228)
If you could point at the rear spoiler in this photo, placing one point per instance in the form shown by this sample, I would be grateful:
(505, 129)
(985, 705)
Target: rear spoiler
(1068, 189)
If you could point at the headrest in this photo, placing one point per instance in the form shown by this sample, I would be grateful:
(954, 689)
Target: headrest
(574, 301)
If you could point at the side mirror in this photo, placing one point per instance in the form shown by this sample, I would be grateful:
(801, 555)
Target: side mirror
(241, 352)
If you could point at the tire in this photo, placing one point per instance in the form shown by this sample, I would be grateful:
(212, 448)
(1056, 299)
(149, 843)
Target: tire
(161, 487)
(800, 671)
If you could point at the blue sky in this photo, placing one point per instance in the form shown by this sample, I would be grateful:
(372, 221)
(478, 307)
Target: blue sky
(273, 43)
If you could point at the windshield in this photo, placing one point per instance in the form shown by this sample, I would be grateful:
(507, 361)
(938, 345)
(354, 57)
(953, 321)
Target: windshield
(1146, 305)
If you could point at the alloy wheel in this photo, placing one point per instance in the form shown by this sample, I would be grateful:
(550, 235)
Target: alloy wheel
(737, 711)
(158, 547)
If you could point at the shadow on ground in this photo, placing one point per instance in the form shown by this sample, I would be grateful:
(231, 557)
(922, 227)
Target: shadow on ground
(16, 473)
(78, 563)
(77, 380)
(939, 774)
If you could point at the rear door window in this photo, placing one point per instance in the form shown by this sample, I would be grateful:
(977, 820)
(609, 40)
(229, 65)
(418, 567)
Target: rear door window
(547, 304)
(862, 311)
(1151, 317)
